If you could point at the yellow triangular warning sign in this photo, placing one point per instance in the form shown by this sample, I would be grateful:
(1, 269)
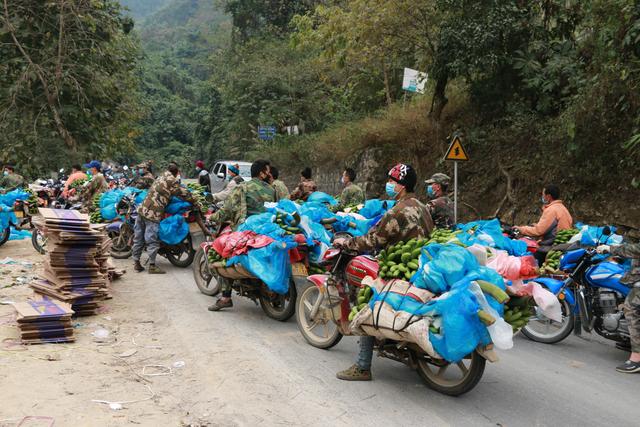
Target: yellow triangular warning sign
(456, 151)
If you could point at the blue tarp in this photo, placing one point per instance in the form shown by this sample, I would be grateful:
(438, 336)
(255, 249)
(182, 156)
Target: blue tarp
(173, 230)
(489, 233)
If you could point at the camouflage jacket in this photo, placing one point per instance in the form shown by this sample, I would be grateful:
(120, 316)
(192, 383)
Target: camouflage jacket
(352, 195)
(245, 200)
(304, 189)
(407, 219)
(11, 182)
(144, 182)
(632, 251)
(282, 192)
(159, 196)
(97, 185)
(441, 210)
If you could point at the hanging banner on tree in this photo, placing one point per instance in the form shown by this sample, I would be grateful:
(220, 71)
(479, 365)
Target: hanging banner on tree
(414, 80)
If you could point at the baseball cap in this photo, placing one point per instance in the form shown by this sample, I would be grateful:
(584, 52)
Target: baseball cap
(93, 164)
(438, 178)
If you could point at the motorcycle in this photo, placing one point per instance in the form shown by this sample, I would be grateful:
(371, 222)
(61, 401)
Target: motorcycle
(322, 311)
(121, 233)
(279, 307)
(590, 297)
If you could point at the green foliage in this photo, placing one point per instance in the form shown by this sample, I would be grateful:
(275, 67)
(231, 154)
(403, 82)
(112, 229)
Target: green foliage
(67, 86)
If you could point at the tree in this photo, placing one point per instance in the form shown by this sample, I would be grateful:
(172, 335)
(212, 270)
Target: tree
(66, 81)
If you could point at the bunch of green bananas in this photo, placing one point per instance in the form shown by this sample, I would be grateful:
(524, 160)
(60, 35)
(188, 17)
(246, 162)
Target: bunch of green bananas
(96, 217)
(400, 261)
(316, 269)
(78, 183)
(444, 235)
(290, 226)
(563, 236)
(198, 193)
(364, 296)
(552, 262)
(518, 311)
(214, 256)
(32, 201)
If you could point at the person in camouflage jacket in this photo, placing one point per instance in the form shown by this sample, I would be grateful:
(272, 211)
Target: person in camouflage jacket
(631, 305)
(151, 212)
(245, 200)
(352, 194)
(97, 185)
(282, 192)
(408, 219)
(10, 180)
(145, 178)
(305, 187)
(440, 205)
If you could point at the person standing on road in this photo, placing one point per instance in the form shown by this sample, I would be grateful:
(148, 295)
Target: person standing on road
(408, 219)
(440, 205)
(631, 305)
(352, 194)
(10, 180)
(305, 187)
(282, 192)
(233, 175)
(245, 200)
(97, 185)
(203, 176)
(151, 212)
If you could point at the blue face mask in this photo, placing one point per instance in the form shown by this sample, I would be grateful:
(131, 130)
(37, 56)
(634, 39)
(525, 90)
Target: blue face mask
(5, 173)
(390, 189)
(543, 200)
(430, 193)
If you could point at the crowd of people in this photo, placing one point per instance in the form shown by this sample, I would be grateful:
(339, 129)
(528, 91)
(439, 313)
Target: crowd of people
(409, 218)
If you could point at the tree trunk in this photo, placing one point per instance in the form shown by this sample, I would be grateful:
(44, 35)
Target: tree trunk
(387, 86)
(439, 97)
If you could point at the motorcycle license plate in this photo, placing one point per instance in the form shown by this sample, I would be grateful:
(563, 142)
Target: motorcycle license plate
(19, 214)
(299, 269)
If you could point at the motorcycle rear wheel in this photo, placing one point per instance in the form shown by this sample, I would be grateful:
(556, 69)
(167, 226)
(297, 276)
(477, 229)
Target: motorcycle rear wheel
(279, 307)
(319, 333)
(38, 241)
(552, 332)
(439, 377)
(185, 258)
(205, 278)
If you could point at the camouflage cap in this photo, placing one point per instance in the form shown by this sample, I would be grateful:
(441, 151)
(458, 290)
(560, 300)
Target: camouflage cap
(439, 178)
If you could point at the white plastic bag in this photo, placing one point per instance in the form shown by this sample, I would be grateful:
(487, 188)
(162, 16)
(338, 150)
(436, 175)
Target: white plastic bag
(501, 332)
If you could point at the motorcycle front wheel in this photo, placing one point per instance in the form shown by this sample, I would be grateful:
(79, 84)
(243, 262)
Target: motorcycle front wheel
(206, 279)
(120, 247)
(4, 236)
(279, 307)
(181, 256)
(544, 330)
(320, 332)
(452, 379)
(39, 241)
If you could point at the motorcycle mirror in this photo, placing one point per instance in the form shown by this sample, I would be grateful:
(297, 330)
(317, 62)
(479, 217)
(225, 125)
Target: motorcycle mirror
(125, 167)
(61, 170)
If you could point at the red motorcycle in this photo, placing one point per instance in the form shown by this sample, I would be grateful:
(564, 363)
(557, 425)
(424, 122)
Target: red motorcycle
(322, 313)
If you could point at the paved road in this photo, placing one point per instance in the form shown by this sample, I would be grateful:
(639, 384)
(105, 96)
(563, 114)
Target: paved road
(259, 371)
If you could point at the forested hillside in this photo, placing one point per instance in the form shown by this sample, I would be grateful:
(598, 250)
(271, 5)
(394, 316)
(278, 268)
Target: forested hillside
(140, 9)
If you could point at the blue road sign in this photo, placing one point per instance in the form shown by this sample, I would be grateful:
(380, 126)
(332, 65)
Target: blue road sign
(266, 133)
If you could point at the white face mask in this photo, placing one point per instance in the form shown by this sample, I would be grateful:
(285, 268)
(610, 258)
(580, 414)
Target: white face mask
(179, 178)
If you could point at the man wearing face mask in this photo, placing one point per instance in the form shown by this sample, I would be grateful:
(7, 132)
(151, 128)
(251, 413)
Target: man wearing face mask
(233, 175)
(145, 178)
(408, 219)
(10, 179)
(352, 194)
(203, 176)
(440, 205)
(555, 217)
(245, 200)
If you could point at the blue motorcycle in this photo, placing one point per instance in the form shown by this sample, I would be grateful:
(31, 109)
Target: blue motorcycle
(590, 297)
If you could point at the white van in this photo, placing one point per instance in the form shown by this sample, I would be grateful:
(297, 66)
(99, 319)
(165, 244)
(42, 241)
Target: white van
(218, 174)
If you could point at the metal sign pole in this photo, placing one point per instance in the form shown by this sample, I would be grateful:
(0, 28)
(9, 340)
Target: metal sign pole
(455, 192)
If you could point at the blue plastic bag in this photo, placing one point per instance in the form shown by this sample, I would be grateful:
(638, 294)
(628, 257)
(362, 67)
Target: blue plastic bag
(262, 224)
(173, 230)
(270, 264)
(593, 235)
(489, 233)
(177, 206)
(461, 330)
(376, 207)
(10, 198)
(441, 266)
(19, 234)
(320, 197)
(316, 211)
(7, 217)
